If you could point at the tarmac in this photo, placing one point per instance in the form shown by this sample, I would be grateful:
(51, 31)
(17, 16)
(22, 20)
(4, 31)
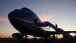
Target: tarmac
(11, 40)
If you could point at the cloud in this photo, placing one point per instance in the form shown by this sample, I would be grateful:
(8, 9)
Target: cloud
(45, 17)
(2, 19)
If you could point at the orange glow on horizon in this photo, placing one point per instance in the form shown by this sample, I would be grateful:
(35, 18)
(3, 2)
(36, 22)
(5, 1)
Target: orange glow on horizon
(2, 19)
(45, 17)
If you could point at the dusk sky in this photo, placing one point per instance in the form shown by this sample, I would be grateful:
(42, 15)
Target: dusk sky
(62, 12)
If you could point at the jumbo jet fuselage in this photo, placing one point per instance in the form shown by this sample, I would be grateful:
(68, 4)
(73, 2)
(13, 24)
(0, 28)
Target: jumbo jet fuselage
(24, 21)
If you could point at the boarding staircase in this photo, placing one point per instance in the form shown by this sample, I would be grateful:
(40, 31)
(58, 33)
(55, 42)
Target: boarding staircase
(65, 34)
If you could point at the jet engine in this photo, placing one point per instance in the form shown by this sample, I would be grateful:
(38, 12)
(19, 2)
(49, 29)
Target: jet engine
(17, 35)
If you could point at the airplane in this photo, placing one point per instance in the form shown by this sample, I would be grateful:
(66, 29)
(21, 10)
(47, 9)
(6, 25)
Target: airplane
(28, 23)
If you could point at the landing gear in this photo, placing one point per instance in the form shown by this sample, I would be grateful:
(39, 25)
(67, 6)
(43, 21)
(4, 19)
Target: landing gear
(24, 40)
(47, 39)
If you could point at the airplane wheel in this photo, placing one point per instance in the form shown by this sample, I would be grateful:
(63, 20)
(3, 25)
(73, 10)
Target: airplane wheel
(46, 39)
(25, 40)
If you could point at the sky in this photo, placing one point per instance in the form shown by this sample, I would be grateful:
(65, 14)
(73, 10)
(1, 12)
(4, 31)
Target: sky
(61, 12)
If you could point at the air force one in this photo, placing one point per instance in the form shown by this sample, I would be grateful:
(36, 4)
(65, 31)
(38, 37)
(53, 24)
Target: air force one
(28, 23)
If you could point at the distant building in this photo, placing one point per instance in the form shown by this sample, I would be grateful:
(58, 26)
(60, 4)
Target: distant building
(9, 37)
(0, 37)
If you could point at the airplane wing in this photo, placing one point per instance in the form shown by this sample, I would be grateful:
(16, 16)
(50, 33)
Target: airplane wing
(71, 31)
(54, 32)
